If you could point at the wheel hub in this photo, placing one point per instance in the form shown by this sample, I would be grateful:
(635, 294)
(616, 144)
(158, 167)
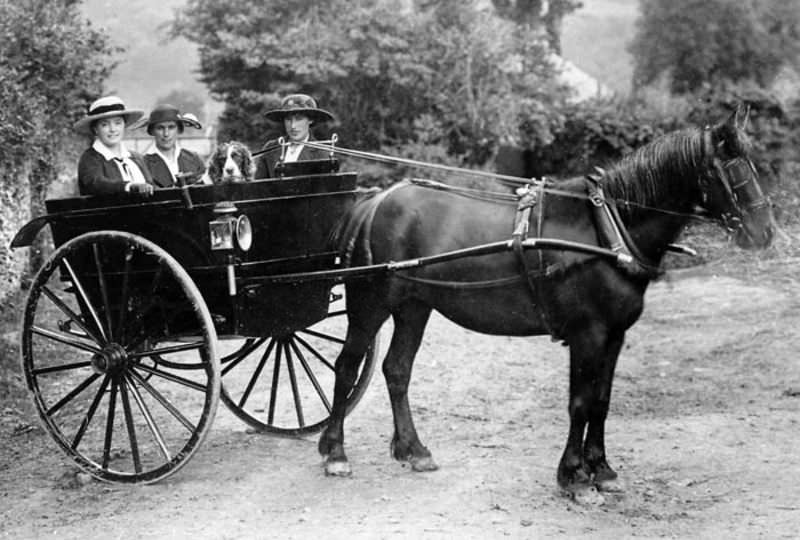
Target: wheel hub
(112, 359)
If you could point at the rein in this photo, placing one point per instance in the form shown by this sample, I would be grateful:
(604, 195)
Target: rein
(514, 181)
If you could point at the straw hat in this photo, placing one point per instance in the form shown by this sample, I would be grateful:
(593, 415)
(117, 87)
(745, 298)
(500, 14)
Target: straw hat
(106, 107)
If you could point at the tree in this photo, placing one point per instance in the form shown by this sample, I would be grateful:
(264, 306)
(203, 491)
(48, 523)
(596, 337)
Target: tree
(697, 42)
(448, 74)
(186, 101)
(52, 64)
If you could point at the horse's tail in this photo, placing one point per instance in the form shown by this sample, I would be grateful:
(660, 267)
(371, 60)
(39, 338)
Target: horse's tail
(354, 229)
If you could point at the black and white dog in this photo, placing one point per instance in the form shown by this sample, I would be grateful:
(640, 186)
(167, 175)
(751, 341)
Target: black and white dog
(231, 162)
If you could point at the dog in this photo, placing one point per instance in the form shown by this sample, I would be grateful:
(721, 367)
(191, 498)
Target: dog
(231, 162)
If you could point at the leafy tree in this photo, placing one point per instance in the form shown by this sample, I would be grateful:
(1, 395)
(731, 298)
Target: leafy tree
(449, 75)
(697, 42)
(52, 63)
(186, 101)
(547, 13)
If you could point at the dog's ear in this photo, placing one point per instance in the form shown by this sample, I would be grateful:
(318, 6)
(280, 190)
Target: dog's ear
(214, 166)
(248, 164)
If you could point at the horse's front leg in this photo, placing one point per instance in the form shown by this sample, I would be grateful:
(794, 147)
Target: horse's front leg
(409, 326)
(587, 357)
(594, 447)
(331, 443)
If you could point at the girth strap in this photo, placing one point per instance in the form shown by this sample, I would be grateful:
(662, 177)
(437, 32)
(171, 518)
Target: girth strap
(529, 199)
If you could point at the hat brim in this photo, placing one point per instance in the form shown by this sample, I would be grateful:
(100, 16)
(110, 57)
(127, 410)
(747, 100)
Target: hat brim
(318, 115)
(82, 126)
(145, 123)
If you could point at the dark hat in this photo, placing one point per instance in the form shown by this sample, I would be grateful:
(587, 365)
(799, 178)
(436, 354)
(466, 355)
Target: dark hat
(169, 113)
(106, 107)
(299, 104)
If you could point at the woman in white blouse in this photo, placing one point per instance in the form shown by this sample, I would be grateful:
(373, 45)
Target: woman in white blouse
(107, 166)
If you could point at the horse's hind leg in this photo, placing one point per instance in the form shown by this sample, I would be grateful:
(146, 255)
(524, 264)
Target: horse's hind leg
(360, 334)
(409, 325)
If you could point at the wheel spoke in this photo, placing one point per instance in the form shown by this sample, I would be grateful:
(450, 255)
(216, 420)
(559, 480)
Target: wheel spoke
(273, 394)
(90, 413)
(322, 335)
(314, 351)
(311, 376)
(163, 401)
(172, 378)
(85, 298)
(73, 393)
(298, 405)
(101, 280)
(124, 295)
(66, 339)
(112, 411)
(256, 374)
(240, 355)
(337, 313)
(62, 367)
(74, 317)
(126, 409)
(195, 345)
(148, 418)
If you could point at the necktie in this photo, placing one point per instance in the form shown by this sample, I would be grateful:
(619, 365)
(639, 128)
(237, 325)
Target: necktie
(126, 173)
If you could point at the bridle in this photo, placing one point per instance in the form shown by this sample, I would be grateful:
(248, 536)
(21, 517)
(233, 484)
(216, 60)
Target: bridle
(735, 175)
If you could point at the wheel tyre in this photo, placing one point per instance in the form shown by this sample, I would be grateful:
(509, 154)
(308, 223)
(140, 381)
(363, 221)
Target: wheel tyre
(111, 289)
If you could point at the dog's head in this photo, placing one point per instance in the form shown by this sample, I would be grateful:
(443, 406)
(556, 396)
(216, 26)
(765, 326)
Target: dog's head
(231, 162)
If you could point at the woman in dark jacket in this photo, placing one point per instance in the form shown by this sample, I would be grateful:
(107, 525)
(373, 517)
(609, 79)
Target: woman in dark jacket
(165, 158)
(298, 112)
(108, 167)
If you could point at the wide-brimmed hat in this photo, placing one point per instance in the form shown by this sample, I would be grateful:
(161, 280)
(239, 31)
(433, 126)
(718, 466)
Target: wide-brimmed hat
(299, 104)
(106, 107)
(169, 113)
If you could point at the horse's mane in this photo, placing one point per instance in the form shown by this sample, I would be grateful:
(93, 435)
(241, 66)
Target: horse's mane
(665, 167)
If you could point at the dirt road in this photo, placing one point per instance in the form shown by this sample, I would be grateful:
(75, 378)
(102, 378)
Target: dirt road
(703, 427)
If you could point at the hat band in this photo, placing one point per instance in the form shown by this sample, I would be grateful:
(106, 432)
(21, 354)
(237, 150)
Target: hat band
(107, 108)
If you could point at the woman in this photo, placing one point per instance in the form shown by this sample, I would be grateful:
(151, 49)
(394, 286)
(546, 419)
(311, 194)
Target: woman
(296, 115)
(165, 158)
(107, 166)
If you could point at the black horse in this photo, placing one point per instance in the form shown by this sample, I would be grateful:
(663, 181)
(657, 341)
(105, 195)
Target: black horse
(587, 301)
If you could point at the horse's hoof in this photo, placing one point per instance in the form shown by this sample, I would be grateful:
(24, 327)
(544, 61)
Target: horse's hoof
(610, 485)
(337, 468)
(423, 464)
(585, 495)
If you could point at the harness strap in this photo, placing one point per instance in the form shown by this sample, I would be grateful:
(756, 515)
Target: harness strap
(612, 230)
(528, 200)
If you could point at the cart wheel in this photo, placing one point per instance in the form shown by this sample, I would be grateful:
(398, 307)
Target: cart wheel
(284, 384)
(119, 353)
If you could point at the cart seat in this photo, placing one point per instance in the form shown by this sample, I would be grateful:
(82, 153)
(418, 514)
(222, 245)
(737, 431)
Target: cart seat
(305, 168)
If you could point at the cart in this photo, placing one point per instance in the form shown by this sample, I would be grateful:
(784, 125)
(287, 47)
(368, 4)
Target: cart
(147, 314)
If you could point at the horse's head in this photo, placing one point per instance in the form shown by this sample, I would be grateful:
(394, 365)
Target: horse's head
(731, 193)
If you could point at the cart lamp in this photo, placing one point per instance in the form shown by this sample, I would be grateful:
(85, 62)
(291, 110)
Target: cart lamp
(222, 233)
(244, 233)
(229, 231)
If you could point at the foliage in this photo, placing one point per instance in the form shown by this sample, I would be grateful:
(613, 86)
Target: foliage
(52, 63)
(706, 42)
(186, 101)
(447, 74)
(548, 14)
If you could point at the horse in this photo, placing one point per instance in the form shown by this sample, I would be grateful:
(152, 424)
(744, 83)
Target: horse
(231, 162)
(586, 301)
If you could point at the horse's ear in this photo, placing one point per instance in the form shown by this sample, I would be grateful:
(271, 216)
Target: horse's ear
(741, 116)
